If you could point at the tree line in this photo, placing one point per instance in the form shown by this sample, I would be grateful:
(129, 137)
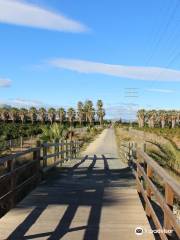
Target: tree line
(85, 113)
(158, 118)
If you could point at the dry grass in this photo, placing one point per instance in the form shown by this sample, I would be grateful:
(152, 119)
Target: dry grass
(158, 147)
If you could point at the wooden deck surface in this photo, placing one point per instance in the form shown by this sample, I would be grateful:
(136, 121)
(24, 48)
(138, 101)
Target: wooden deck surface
(94, 198)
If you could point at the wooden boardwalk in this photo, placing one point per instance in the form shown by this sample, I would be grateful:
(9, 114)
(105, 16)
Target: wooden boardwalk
(93, 199)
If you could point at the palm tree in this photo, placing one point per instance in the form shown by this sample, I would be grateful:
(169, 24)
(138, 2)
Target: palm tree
(151, 115)
(99, 104)
(162, 117)
(90, 112)
(51, 115)
(85, 110)
(141, 114)
(100, 111)
(13, 114)
(42, 115)
(80, 112)
(71, 115)
(178, 117)
(23, 112)
(61, 114)
(54, 132)
(33, 114)
(173, 118)
(4, 114)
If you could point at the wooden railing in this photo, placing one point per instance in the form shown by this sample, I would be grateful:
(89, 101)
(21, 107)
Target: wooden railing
(22, 171)
(156, 187)
(127, 151)
(147, 168)
(21, 142)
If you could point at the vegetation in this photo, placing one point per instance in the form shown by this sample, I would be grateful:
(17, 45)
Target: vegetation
(171, 134)
(85, 114)
(158, 118)
(54, 132)
(16, 130)
(100, 111)
(165, 154)
(160, 149)
(51, 123)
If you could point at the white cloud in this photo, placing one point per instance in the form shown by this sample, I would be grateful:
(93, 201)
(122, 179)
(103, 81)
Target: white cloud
(5, 82)
(26, 102)
(159, 90)
(131, 72)
(20, 102)
(21, 13)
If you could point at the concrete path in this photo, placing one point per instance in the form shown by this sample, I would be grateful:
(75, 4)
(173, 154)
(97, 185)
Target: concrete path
(94, 199)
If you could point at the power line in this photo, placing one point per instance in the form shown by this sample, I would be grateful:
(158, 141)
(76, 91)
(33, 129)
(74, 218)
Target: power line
(157, 30)
(170, 18)
(164, 30)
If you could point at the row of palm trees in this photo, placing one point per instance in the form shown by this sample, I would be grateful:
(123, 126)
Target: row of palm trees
(162, 118)
(85, 112)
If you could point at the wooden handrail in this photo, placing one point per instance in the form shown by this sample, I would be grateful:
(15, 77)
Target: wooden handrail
(34, 167)
(19, 154)
(145, 168)
(161, 172)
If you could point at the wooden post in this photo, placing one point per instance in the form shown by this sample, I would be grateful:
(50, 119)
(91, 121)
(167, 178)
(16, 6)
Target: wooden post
(58, 153)
(144, 147)
(138, 175)
(55, 150)
(75, 148)
(13, 182)
(66, 145)
(10, 143)
(62, 150)
(135, 151)
(131, 149)
(129, 152)
(21, 142)
(44, 155)
(78, 147)
(37, 157)
(71, 150)
(148, 190)
(169, 197)
(137, 180)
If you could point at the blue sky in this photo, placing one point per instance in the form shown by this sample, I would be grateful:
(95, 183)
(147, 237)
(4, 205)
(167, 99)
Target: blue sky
(55, 53)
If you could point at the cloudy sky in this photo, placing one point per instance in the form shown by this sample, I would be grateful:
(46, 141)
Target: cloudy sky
(55, 53)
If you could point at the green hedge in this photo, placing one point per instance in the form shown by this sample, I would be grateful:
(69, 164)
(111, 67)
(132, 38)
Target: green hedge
(16, 130)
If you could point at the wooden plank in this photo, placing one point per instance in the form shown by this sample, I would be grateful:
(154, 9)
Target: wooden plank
(148, 190)
(161, 173)
(93, 208)
(161, 201)
(152, 213)
(169, 197)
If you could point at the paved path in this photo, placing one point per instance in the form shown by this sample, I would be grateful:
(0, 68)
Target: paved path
(94, 199)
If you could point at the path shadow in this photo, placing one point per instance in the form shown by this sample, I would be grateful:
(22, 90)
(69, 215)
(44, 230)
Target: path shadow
(81, 185)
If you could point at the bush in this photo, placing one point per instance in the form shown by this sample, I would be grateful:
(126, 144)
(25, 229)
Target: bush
(54, 132)
(16, 130)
